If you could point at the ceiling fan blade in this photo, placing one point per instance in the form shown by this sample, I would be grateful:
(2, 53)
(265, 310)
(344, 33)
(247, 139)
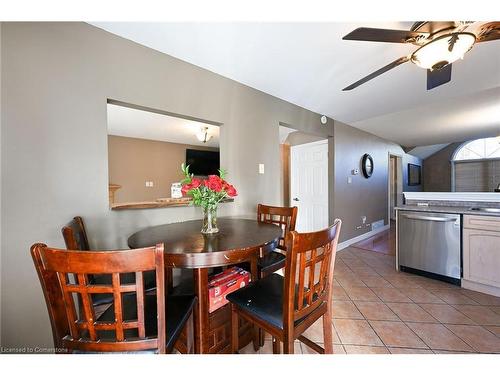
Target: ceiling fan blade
(489, 31)
(376, 73)
(385, 35)
(438, 77)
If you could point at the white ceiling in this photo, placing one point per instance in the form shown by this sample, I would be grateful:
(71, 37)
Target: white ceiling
(423, 152)
(134, 123)
(308, 64)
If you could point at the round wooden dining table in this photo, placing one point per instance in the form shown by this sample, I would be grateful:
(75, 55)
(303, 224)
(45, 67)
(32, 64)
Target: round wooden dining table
(238, 240)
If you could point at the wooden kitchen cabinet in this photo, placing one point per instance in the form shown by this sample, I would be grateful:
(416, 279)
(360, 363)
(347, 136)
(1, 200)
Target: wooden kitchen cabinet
(481, 253)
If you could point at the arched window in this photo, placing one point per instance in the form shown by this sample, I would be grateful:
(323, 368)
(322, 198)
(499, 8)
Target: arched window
(475, 166)
(485, 148)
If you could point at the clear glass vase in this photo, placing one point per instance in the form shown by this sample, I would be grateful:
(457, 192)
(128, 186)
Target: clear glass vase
(209, 220)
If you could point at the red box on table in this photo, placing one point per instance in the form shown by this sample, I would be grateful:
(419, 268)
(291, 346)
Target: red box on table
(220, 285)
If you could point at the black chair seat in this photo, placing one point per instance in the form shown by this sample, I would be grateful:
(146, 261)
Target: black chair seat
(262, 298)
(125, 278)
(271, 262)
(178, 310)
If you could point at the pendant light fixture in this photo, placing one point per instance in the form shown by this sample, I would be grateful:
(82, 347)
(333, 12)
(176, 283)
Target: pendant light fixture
(203, 135)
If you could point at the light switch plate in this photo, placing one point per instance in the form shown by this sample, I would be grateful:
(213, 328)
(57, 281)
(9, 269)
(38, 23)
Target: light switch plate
(261, 168)
(349, 180)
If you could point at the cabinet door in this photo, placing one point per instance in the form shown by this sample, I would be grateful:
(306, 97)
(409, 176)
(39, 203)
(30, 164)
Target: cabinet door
(481, 251)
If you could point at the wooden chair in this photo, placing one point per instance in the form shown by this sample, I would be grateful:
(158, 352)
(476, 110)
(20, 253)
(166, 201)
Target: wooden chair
(136, 320)
(285, 217)
(75, 237)
(286, 306)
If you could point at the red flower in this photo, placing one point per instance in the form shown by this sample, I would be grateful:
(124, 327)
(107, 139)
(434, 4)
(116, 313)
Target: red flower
(185, 188)
(230, 190)
(214, 183)
(195, 183)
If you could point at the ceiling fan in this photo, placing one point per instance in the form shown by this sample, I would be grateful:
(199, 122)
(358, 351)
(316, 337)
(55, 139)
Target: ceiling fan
(439, 43)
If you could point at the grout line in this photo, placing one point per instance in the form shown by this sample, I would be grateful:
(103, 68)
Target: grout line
(380, 338)
(443, 324)
(433, 287)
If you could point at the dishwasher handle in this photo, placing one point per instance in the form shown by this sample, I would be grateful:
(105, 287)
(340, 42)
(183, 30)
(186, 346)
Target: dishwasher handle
(429, 218)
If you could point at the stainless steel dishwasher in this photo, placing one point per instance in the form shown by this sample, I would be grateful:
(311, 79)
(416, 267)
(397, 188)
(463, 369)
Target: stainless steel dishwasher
(429, 244)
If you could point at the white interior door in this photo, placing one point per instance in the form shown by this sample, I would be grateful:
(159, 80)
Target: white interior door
(309, 185)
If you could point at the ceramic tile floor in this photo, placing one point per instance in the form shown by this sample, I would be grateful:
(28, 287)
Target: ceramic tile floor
(379, 310)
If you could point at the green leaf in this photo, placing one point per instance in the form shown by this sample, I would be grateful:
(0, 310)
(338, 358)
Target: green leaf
(222, 173)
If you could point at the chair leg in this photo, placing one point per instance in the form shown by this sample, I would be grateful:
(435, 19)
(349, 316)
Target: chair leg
(258, 340)
(288, 345)
(328, 332)
(190, 334)
(276, 345)
(256, 337)
(234, 329)
(262, 335)
(260, 331)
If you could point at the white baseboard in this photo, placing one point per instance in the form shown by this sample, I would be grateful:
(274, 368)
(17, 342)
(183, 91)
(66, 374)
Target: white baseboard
(364, 236)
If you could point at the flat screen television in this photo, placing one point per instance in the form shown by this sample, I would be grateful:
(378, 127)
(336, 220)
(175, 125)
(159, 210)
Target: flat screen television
(203, 163)
(414, 174)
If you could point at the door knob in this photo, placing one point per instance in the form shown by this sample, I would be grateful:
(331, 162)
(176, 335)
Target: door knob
(296, 199)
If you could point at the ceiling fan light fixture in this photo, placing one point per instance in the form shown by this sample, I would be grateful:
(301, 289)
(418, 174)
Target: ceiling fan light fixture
(443, 50)
(203, 135)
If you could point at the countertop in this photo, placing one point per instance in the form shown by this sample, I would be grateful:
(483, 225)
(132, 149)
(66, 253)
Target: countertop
(466, 210)
(159, 203)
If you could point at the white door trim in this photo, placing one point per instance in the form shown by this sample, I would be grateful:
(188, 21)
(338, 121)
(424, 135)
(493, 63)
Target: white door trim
(400, 156)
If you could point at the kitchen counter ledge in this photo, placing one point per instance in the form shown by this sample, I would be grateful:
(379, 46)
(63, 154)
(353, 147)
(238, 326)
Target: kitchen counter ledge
(160, 203)
(465, 210)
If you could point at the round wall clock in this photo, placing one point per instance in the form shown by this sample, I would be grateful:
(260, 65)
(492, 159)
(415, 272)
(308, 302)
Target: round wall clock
(367, 165)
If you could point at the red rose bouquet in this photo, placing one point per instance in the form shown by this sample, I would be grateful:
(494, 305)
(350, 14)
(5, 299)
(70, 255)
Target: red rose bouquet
(207, 194)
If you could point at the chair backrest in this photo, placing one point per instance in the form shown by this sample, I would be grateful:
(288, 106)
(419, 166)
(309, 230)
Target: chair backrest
(285, 217)
(64, 275)
(75, 235)
(309, 272)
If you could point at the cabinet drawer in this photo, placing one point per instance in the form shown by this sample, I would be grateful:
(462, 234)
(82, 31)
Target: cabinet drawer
(482, 222)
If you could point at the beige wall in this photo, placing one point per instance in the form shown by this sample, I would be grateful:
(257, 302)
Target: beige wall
(56, 79)
(133, 161)
(364, 196)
